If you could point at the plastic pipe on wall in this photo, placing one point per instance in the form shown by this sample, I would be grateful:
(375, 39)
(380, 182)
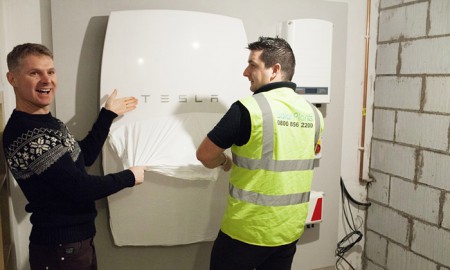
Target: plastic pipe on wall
(363, 120)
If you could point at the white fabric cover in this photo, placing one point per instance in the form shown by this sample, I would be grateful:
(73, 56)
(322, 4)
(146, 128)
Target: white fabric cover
(166, 144)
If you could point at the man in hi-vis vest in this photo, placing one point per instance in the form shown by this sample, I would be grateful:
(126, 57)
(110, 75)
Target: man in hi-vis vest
(273, 135)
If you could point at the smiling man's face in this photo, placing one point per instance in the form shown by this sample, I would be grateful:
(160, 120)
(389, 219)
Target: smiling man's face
(34, 83)
(256, 71)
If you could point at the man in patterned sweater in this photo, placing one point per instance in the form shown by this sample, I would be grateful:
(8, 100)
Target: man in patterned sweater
(49, 164)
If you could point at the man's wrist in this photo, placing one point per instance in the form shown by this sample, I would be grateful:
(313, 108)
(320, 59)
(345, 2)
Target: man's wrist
(225, 161)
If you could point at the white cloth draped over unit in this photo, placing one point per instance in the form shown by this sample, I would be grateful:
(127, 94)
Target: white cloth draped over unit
(166, 144)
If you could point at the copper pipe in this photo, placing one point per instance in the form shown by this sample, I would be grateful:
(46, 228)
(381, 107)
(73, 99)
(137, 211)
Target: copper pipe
(366, 65)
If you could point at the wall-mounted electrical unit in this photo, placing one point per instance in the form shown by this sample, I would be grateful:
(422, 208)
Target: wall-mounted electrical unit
(311, 41)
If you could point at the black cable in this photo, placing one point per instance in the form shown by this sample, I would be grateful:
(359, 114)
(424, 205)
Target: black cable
(341, 247)
(350, 197)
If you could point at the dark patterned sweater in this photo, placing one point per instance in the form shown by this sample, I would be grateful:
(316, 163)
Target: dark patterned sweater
(49, 166)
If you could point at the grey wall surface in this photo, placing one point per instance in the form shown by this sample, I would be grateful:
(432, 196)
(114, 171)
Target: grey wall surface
(78, 31)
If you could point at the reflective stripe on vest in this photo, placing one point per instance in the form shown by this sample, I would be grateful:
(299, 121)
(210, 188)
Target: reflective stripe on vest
(268, 200)
(267, 163)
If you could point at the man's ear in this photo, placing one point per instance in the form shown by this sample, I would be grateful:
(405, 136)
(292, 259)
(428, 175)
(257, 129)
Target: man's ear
(11, 78)
(276, 71)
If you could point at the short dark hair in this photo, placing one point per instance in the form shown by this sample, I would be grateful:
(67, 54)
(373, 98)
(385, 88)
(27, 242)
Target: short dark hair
(276, 50)
(19, 52)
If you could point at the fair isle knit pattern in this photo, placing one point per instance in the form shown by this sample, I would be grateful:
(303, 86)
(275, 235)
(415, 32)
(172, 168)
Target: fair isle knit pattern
(35, 151)
(50, 168)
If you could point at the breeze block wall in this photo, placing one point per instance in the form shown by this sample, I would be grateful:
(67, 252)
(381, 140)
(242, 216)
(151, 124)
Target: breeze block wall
(408, 223)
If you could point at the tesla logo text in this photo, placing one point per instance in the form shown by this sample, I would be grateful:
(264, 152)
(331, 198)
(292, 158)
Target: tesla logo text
(180, 98)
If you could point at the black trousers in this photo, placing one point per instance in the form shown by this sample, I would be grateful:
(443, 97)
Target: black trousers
(73, 256)
(231, 254)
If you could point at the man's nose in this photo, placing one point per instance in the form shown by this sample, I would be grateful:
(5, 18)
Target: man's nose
(245, 73)
(46, 78)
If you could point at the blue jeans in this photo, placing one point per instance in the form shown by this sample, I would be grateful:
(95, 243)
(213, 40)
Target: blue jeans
(73, 256)
(231, 254)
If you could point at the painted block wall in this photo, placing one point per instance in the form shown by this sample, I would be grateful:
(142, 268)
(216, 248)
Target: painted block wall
(408, 224)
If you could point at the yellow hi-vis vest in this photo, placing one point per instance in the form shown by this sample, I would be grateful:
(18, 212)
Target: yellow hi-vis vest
(271, 176)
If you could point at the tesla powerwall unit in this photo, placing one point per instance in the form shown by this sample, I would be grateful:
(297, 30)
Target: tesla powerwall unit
(311, 41)
(185, 68)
